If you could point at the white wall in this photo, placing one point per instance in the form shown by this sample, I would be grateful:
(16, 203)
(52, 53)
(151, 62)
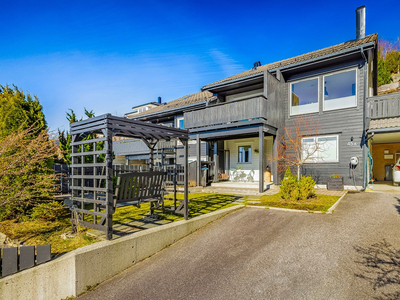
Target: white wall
(253, 167)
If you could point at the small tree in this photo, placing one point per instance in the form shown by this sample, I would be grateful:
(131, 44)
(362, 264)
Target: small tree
(25, 176)
(292, 150)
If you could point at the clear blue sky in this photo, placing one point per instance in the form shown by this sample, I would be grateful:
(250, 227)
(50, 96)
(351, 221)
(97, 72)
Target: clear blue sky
(111, 55)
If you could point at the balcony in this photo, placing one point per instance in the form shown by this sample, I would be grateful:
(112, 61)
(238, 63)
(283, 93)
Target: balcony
(227, 112)
(383, 106)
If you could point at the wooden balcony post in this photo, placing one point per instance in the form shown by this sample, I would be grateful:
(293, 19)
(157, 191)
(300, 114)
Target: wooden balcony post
(215, 161)
(261, 159)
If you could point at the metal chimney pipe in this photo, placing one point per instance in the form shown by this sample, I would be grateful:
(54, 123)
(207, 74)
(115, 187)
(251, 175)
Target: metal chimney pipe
(159, 100)
(360, 22)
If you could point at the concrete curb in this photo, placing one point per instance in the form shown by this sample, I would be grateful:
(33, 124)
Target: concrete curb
(337, 203)
(71, 274)
(328, 212)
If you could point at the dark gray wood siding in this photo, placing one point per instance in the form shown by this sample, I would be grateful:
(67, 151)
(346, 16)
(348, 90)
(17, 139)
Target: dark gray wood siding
(227, 112)
(347, 123)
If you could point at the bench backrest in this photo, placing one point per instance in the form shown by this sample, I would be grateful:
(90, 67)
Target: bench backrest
(139, 186)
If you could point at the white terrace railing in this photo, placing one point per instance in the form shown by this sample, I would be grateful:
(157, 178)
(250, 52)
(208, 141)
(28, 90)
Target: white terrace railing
(383, 106)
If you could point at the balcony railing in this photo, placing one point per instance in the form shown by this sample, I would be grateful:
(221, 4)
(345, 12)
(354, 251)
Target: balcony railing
(383, 106)
(227, 112)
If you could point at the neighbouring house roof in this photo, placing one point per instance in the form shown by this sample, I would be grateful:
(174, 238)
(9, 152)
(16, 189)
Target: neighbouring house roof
(384, 123)
(152, 103)
(297, 59)
(181, 102)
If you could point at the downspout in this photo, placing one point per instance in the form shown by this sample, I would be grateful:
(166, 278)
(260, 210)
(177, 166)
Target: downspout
(364, 138)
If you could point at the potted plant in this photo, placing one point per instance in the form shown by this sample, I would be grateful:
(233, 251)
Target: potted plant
(335, 183)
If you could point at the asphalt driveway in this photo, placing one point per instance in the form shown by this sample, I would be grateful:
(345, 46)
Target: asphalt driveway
(267, 254)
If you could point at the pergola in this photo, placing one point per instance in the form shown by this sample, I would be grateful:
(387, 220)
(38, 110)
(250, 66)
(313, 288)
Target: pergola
(92, 168)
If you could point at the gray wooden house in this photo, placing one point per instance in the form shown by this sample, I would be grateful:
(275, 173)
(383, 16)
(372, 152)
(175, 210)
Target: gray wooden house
(240, 117)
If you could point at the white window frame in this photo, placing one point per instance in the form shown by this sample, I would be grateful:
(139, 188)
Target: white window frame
(323, 88)
(317, 158)
(290, 96)
(250, 154)
(177, 122)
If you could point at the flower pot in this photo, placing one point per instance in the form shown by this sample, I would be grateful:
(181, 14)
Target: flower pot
(335, 184)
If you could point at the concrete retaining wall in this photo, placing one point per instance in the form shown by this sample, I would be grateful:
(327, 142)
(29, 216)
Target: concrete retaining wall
(70, 274)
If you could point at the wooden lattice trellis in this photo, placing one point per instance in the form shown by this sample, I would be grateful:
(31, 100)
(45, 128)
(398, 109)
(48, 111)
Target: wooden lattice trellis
(92, 170)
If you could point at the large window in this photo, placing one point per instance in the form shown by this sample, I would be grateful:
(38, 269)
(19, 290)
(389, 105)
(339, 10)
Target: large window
(244, 154)
(320, 149)
(340, 90)
(304, 97)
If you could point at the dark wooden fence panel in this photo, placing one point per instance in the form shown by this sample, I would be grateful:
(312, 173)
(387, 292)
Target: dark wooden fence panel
(226, 112)
(15, 259)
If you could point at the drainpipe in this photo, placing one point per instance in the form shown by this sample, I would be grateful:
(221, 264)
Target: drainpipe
(364, 138)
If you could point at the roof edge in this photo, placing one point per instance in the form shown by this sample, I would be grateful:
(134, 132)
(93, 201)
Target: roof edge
(226, 82)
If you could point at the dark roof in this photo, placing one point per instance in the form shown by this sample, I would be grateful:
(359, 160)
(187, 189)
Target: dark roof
(297, 59)
(183, 101)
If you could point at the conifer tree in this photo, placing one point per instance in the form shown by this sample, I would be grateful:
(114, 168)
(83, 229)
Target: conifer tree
(18, 109)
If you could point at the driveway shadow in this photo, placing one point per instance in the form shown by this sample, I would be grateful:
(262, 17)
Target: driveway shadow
(398, 206)
(379, 264)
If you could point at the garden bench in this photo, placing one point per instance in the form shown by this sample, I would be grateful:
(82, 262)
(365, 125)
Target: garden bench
(136, 187)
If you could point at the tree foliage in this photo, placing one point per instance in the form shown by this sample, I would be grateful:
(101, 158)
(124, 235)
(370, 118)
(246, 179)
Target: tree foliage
(65, 138)
(18, 109)
(25, 176)
(384, 76)
(388, 60)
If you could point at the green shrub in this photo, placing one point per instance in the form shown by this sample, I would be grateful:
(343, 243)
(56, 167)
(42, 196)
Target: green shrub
(293, 189)
(289, 186)
(49, 211)
(288, 173)
(306, 187)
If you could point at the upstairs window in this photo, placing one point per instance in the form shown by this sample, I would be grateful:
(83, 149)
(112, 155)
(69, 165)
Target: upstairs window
(244, 154)
(304, 97)
(340, 90)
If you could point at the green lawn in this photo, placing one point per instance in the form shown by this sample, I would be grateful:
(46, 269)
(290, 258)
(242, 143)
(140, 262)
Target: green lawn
(37, 232)
(317, 203)
(200, 203)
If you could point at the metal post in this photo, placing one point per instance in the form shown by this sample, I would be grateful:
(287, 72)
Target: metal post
(198, 160)
(109, 184)
(186, 180)
(174, 176)
(261, 159)
(274, 163)
(215, 161)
